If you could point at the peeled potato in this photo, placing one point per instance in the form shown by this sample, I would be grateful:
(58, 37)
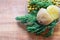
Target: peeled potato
(46, 16)
(43, 17)
(53, 11)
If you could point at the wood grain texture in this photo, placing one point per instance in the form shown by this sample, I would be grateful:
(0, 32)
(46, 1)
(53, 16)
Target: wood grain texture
(10, 29)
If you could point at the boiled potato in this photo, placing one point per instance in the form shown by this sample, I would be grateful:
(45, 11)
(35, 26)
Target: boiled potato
(46, 16)
(43, 17)
(53, 11)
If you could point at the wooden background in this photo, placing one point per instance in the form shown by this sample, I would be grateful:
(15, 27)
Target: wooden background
(10, 29)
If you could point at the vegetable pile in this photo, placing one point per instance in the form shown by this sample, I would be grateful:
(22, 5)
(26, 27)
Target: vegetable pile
(31, 22)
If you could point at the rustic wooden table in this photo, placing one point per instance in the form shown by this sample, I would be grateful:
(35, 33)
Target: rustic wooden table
(10, 29)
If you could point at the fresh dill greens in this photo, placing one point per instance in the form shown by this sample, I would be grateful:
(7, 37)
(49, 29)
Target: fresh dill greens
(31, 22)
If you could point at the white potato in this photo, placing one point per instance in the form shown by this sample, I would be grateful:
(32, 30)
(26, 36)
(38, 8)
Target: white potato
(53, 11)
(43, 17)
